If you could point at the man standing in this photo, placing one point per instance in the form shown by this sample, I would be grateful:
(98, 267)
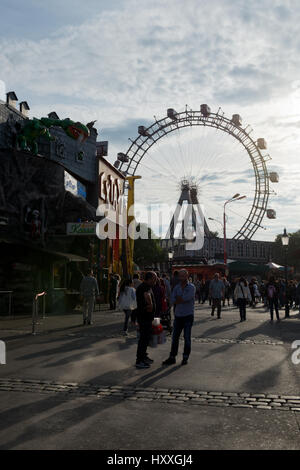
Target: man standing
(145, 315)
(217, 293)
(272, 290)
(183, 296)
(168, 287)
(88, 290)
(113, 289)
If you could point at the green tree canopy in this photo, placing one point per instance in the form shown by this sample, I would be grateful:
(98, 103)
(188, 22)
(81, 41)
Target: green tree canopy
(293, 250)
(148, 251)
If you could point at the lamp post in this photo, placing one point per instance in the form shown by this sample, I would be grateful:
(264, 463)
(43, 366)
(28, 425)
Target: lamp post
(215, 220)
(236, 197)
(285, 243)
(170, 256)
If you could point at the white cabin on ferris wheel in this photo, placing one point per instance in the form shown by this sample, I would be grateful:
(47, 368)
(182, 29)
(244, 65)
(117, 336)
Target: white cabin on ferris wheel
(171, 113)
(274, 177)
(205, 110)
(271, 214)
(143, 131)
(261, 143)
(237, 119)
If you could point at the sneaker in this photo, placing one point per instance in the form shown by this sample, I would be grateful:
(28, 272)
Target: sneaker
(90, 322)
(85, 321)
(184, 361)
(148, 360)
(169, 361)
(212, 314)
(142, 365)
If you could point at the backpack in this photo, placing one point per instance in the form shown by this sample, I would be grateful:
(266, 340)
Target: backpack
(271, 291)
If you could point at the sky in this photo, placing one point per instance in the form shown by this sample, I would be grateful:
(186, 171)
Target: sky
(122, 62)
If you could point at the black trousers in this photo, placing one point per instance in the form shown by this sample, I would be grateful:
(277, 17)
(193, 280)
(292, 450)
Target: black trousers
(273, 303)
(145, 336)
(242, 306)
(113, 300)
(216, 303)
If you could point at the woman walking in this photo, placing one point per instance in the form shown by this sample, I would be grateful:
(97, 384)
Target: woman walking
(242, 295)
(127, 301)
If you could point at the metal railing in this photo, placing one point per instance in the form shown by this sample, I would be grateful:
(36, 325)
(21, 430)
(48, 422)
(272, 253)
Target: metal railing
(35, 310)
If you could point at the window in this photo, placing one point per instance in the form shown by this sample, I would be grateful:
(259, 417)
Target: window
(247, 250)
(262, 251)
(240, 249)
(231, 249)
(254, 251)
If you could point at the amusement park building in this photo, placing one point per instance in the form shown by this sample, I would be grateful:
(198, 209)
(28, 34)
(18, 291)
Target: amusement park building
(52, 177)
(253, 251)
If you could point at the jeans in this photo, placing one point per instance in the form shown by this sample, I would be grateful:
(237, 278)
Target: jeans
(216, 303)
(182, 323)
(145, 336)
(88, 308)
(242, 306)
(273, 302)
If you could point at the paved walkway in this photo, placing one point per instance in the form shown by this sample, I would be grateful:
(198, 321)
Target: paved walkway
(239, 390)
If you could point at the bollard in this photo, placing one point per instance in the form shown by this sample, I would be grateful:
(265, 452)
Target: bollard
(35, 310)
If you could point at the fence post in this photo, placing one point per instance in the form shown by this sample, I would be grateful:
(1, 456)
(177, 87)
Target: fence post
(34, 316)
(44, 306)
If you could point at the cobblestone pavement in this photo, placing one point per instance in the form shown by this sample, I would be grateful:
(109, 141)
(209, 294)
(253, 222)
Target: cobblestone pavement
(240, 389)
(196, 339)
(148, 394)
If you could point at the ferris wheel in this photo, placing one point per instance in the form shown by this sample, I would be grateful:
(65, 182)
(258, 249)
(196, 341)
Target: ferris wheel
(215, 153)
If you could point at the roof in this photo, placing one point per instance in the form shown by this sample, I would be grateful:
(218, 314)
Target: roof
(25, 105)
(53, 253)
(69, 256)
(106, 162)
(12, 95)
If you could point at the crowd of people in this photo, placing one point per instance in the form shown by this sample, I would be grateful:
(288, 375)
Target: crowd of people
(152, 294)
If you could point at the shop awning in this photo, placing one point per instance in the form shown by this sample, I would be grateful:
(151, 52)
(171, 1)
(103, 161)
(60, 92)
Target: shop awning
(243, 267)
(70, 256)
(40, 250)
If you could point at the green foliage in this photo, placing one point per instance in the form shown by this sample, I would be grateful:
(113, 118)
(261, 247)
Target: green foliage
(213, 234)
(293, 250)
(148, 251)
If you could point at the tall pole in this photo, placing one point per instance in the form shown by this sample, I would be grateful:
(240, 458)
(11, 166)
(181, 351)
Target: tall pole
(287, 308)
(224, 233)
(130, 221)
(236, 197)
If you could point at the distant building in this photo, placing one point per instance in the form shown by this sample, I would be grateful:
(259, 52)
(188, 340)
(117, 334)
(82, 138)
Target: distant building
(253, 251)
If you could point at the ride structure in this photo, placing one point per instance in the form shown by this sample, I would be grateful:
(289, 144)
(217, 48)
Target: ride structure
(175, 121)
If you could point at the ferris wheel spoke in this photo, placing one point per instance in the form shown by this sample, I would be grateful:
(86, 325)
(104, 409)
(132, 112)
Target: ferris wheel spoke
(155, 171)
(212, 160)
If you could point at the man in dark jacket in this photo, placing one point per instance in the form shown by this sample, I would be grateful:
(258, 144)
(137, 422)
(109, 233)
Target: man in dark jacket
(272, 292)
(145, 315)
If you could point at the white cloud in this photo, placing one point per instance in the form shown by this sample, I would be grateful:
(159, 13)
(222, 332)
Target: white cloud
(124, 65)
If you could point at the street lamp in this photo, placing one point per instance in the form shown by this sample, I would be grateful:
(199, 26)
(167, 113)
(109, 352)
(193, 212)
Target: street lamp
(236, 197)
(170, 256)
(285, 242)
(215, 220)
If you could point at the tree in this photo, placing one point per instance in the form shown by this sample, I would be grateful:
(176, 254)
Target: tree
(148, 251)
(293, 251)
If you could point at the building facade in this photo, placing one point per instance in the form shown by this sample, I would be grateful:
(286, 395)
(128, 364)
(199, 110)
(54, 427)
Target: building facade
(253, 251)
(50, 174)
